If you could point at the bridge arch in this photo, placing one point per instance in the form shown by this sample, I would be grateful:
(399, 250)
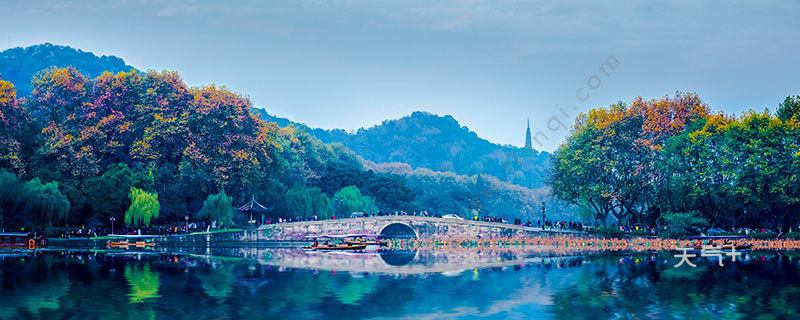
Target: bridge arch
(399, 230)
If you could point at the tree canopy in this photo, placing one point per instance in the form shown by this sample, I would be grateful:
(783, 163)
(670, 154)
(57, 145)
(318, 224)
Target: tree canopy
(144, 207)
(31, 204)
(353, 201)
(636, 161)
(218, 207)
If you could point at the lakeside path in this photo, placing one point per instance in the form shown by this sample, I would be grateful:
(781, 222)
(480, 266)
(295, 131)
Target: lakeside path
(588, 244)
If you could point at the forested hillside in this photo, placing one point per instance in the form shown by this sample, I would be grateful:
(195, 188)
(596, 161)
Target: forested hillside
(79, 148)
(19, 65)
(439, 143)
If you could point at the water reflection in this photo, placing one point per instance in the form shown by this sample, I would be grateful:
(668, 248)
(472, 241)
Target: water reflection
(392, 262)
(257, 284)
(144, 284)
(217, 281)
(398, 257)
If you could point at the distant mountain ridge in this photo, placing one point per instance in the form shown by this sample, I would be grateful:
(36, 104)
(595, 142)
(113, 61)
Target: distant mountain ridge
(19, 65)
(425, 140)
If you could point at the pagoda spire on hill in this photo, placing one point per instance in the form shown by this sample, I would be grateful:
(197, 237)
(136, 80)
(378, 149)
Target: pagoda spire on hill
(528, 144)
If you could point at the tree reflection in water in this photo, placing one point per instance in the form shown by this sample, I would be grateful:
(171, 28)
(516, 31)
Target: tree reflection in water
(217, 281)
(144, 284)
(175, 286)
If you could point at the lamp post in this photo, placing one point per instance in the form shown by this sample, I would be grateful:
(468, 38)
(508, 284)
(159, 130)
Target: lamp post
(187, 222)
(337, 202)
(477, 207)
(112, 224)
(543, 210)
(469, 207)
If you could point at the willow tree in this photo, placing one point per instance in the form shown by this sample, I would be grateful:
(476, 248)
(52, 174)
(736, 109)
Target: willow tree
(144, 207)
(306, 202)
(44, 204)
(354, 201)
(218, 207)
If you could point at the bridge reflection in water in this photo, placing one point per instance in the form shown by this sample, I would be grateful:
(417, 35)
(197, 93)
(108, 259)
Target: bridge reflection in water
(388, 261)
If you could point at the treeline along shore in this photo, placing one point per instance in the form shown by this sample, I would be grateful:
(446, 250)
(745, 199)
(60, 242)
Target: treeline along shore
(675, 162)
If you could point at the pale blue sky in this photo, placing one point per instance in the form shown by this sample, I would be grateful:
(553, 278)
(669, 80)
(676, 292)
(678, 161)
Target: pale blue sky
(490, 64)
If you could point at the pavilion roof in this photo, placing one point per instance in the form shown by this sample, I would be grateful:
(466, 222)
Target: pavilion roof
(253, 205)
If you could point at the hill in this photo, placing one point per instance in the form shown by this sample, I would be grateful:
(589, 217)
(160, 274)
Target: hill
(151, 131)
(19, 65)
(439, 143)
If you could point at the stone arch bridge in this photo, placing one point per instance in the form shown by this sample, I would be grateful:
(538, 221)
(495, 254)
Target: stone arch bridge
(402, 226)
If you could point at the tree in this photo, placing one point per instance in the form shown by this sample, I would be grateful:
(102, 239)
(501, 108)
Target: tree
(109, 195)
(765, 152)
(58, 103)
(354, 201)
(683, 223)
(389, 191)
(699, 172)
(31, 204)
(144, 207)
(45, 205)
(305, 202)
(580, 176)
(12, 116)
(610, 160)
(218, 207)
(789, 108)
(10, 190)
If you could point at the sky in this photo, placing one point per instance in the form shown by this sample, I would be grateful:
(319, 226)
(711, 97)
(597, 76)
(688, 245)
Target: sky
(490, 64)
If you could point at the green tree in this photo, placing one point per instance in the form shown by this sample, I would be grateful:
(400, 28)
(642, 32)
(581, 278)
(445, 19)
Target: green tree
(218, 207)
(682, 223)
(789, 108)
(144, 181)
(765, 154)
(700, 173)
(389, 191)
(354, 201)
(10, 190)
(144, 207)
(305, 202)
(109, 194)
(31, 204)
(45, 204)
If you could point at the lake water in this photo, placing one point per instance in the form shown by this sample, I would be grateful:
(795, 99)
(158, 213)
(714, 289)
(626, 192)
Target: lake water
(207, 283)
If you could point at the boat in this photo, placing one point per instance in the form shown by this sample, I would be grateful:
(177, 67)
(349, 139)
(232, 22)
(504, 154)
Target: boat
(21, 240)
(126, 243)
(365, 239)
(339, 246)
(337, 242)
